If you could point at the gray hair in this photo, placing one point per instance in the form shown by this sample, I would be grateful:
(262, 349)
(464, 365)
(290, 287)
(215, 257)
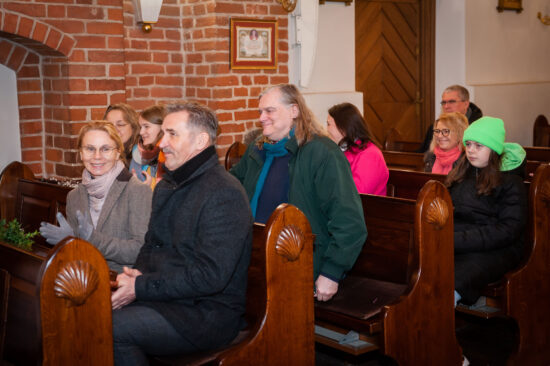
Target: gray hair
(200, 117)
(462, 92)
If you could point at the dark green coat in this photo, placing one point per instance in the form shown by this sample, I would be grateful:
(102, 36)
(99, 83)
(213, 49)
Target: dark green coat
(321, 185)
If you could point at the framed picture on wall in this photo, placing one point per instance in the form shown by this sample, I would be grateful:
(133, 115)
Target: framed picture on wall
(253, 44)
(509, 5)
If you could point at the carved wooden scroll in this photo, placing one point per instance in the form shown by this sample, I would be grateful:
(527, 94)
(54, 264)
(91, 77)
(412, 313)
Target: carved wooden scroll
(76, 282)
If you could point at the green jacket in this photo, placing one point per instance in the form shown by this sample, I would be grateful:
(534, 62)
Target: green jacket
(321, 185)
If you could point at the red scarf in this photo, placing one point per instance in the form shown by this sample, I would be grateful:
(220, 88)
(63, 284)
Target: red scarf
(444, 160)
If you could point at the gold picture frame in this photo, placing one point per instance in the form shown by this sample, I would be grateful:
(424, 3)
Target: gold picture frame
(509, 5)
(253, 44)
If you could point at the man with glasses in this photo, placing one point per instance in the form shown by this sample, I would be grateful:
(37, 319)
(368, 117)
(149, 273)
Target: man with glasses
(455, 98)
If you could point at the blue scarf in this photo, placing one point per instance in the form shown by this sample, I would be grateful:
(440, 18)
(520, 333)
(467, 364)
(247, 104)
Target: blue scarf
(271, 152)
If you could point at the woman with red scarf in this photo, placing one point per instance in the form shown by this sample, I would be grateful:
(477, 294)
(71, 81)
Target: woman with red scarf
(446, 146)
(147, 158)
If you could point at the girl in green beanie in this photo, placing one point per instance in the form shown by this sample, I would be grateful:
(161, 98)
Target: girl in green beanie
(490, 208)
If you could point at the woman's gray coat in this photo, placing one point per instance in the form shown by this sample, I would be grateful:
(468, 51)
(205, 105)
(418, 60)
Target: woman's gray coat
(123, 221)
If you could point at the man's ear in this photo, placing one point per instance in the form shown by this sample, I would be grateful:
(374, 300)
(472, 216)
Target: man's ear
(202, 140)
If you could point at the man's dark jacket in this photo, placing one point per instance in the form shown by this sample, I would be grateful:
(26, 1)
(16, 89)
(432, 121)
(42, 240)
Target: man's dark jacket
(196, 252)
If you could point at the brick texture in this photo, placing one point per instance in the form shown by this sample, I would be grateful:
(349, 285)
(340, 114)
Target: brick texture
(72, 58)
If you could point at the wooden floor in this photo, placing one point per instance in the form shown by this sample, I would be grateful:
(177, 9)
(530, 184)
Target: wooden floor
(484, 342)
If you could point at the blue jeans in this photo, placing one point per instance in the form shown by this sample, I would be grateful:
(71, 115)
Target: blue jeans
(140, 330)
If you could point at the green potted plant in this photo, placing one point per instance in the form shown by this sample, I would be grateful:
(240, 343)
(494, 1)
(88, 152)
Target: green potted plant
(12, 233)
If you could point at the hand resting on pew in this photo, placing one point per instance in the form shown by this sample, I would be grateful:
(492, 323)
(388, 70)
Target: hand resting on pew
(126, 290)
(325, 288)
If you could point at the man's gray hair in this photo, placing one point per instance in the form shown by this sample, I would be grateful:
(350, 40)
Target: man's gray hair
(200, 117)
(462, 92)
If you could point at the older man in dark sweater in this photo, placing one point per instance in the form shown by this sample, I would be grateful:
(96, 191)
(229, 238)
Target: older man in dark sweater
(187, 289)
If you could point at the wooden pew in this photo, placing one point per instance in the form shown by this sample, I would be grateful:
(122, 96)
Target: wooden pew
(541, 131)
(399, 296)
(234, 154)
(279, 299)
(4, 296)
(9, 179)
(59, 309)
(404, 160)
(537, 153)
(524, 293)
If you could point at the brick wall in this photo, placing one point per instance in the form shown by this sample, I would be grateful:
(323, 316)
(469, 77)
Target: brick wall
(74, 57)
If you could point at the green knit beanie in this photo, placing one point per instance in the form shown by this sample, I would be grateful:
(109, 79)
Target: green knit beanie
(488, 131)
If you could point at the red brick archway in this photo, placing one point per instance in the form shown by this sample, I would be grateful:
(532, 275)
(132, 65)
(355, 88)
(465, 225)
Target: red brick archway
(27, 46)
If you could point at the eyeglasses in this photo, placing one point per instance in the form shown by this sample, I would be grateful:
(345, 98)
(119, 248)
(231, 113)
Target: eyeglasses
(475, 145)
(450, 102)
(445, 132)
(104, 151)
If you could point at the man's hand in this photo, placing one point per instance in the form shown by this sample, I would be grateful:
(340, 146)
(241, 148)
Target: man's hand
(325, 288)
(126, 291)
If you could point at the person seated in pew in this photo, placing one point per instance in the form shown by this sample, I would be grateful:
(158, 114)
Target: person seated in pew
(125, 120)
(455, 98)
(446, 147)
(110, 208)
(147, 158)
(187, 290)
(295, 162)
(347, 128)
(490, 208)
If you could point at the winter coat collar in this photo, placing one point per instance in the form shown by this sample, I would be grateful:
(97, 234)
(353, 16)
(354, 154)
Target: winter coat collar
(184, 172)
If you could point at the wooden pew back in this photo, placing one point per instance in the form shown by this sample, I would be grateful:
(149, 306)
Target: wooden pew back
(409, 247)
(404, 160)
(9, 180)
(541, 131)
(67, 288)
(514, 296)
(4, 297)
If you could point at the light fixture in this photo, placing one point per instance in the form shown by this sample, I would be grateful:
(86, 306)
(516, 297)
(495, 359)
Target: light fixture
(543, 19)
(147, 13)
(288, 5)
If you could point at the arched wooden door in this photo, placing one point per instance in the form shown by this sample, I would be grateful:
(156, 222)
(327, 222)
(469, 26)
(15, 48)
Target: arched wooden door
(394, 65)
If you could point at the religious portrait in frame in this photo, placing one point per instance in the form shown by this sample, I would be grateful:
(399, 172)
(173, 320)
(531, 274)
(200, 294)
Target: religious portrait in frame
(253, 44)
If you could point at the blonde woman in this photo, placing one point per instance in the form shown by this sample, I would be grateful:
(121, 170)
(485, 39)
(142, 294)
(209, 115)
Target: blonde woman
(446, 146)
(110, 208)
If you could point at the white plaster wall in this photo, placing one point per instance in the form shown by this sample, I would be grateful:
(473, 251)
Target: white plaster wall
(450, 46)
(507, 61)
(10, 140)
(333, 78)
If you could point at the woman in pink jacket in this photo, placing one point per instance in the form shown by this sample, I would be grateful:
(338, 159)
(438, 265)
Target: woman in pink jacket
(349, 130)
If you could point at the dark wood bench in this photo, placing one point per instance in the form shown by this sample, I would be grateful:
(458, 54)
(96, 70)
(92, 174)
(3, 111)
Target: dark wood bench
(59, 309)
(404, 160)
(541, 131)
(523, 294)
(399, 296)
(279, 299)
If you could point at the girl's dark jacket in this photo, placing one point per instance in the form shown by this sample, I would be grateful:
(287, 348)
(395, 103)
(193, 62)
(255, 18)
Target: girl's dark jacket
(489, 231)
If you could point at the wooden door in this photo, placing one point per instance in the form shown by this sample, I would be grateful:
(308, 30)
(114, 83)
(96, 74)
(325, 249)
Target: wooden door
(394, 65)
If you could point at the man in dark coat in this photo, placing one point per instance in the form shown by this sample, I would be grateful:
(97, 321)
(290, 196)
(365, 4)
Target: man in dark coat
(455, 98)
(188, 286)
